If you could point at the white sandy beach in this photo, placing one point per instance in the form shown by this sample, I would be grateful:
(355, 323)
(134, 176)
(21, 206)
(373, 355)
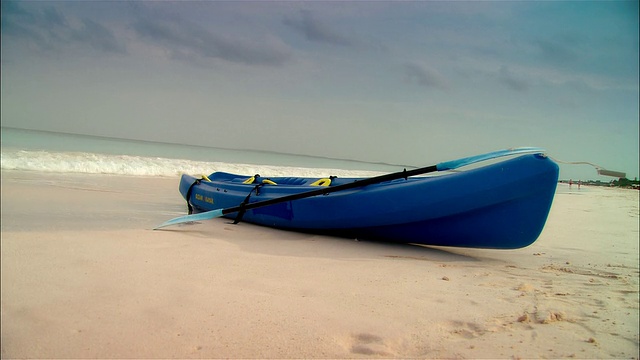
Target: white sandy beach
(83, 276)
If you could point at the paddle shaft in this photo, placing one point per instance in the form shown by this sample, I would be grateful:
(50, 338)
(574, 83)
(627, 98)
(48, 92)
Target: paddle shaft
(327, 190)
(447, 165)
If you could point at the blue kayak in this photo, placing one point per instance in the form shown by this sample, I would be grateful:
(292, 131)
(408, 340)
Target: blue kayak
(503, 205)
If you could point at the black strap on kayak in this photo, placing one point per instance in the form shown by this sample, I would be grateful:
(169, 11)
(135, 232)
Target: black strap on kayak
(245, 202)
(188, 197)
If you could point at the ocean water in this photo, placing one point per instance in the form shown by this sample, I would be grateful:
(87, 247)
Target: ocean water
(32, 150)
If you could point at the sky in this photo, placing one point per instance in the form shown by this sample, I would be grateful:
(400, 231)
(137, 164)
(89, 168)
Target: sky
(413, 82)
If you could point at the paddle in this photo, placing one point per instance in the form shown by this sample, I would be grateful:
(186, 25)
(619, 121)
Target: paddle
(447, 165)
(599, 169)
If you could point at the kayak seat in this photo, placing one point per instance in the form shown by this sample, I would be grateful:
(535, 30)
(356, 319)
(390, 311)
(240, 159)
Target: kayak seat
(284, 181)
(292, 181)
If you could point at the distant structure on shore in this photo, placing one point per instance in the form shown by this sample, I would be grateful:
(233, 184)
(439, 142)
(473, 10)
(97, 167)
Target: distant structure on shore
(620, 183)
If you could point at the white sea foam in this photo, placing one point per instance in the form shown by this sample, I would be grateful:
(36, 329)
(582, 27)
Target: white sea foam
(92, 163)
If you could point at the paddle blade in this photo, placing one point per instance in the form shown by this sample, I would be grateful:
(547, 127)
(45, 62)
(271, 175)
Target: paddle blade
(617, 174)
(193, 217)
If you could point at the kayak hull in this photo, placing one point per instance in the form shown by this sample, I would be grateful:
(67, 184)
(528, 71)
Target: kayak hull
(502, 206)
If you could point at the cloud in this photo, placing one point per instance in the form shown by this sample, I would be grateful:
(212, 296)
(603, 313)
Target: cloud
(513, 82)
(557, 51)
(313, 30)
(425, 76)
(53, 17)
(187, 40)
(47, 29)
(15, 22)
(12, 9)
(98, 37)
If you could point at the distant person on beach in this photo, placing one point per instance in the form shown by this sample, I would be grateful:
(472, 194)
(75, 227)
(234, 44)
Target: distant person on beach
(570, 183)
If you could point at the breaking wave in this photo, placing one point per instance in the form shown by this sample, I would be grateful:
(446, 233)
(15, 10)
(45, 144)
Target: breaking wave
(93, 163)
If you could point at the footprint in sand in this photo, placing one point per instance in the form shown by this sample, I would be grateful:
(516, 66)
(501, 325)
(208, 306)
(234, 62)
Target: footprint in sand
(467, 330)
(368, 344)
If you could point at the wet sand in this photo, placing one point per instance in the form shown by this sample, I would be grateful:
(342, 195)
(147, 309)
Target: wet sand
(84, 276)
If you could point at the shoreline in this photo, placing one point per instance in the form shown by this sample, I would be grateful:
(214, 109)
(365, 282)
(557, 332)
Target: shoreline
(84, 276)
